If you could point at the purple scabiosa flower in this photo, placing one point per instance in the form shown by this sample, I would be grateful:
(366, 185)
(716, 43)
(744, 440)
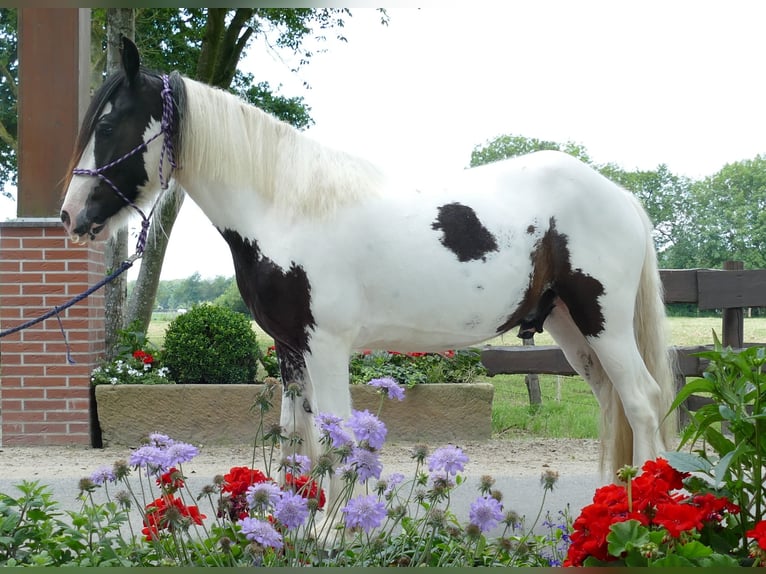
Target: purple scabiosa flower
(261, 532)
(365, 512)
(365, 462)
(330, 427)
(263, 496)
(102, 475)
(159, 439)
(392, 482)
(148, 456)
(292, 510)
(448, 458)
(388, 386)
(297, 463)
(180, 452)
(368, 427)
(486, 512)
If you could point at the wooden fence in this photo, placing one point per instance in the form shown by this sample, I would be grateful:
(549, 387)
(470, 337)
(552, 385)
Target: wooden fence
(732, 289)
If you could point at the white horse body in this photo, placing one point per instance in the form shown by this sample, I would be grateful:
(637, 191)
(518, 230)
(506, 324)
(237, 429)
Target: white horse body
(351, 258)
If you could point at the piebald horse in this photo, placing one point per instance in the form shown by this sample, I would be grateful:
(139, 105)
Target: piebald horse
(333, 255)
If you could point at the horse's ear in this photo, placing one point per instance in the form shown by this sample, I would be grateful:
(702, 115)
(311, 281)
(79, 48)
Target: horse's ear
(130, 59)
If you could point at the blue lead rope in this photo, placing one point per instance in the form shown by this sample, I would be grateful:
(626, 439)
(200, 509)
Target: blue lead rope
(124, 266)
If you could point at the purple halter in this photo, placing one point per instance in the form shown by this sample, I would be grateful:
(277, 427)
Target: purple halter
(166, 130)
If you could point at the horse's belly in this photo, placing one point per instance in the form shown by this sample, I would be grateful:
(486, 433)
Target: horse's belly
(437, 314)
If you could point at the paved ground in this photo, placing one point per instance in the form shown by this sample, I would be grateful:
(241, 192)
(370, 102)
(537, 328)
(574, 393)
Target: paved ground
(515, 465)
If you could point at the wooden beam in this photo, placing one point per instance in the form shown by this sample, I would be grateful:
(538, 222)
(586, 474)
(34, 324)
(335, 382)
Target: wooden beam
(680, 285)
(732, 289)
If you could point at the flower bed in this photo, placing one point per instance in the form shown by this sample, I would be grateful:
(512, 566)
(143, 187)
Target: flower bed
(220, 414)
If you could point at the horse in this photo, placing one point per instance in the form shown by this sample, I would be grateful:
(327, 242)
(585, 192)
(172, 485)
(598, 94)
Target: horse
(334, 255)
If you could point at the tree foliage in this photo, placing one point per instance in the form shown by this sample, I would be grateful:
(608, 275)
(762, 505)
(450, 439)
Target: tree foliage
(9, 91)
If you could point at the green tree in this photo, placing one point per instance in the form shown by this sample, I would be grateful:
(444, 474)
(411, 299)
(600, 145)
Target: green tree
(232, 299)
(507, 146)
(9, 92)
(729, 220)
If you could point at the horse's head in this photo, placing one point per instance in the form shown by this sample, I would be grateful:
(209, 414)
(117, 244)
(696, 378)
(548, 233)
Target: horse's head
(124, 144)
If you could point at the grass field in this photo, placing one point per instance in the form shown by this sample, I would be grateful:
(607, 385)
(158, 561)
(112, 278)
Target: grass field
(568, 408)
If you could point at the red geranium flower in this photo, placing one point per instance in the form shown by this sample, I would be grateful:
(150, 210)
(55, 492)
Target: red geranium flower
(306, 487)
(172, 480)
(143, 356)
(240, 478)
(759, 533)
(156, 515)
(678, 518)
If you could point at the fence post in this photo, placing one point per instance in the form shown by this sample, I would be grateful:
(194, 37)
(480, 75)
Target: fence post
(533, 381)
(733, 327)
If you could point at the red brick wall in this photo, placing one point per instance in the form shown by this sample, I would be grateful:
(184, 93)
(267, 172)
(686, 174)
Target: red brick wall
(43, 399)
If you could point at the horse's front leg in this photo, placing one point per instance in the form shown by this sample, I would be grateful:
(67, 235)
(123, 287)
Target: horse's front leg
(313, 383)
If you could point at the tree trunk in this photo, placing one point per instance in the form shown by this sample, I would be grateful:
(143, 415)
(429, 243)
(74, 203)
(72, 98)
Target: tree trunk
(119, 22)
(144, 292)
(221, 48)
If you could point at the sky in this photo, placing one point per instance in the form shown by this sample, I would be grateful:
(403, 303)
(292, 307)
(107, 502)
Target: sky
(638, 83)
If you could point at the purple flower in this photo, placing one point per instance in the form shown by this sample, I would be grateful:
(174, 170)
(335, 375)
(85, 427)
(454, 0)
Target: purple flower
(297, 463)
(364, 512)
(262, 496)
(180, 452)
(261, 532)
(291, 510)
(368, 427)
(389, 386)
(102, 475)
(330, 425)
(485, 513)
(148, 456)
(366, 463)
(324, 420)
(449, 458)
(393, 481)
(159, 439)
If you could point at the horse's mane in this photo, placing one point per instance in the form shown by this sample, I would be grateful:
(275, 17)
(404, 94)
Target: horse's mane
(229, 140)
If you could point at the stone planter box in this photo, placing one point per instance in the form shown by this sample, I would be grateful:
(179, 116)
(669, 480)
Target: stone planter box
(220, 414)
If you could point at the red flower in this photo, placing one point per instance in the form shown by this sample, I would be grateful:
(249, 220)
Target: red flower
(759, 533)
(240, 478)
(678, 518)
(656, 502)
(172, 480)
(306, 487)
(156, 518)
(143, 356)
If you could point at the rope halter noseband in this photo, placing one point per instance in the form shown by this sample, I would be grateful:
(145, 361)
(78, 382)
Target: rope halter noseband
(166, 130)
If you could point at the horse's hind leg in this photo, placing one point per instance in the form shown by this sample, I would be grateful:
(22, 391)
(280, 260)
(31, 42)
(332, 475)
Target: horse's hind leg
(617, 439)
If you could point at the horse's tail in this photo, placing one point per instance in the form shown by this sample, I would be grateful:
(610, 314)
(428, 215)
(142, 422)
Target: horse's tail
(650, 328)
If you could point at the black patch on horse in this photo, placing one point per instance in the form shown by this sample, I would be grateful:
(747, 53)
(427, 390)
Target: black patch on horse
(463, 233)
(279, 299)
(553, 276)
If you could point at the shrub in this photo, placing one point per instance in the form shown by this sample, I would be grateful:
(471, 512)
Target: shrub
(211, 344)
(462, 366)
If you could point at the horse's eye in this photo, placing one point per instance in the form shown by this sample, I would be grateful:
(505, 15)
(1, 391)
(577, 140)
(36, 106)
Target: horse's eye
(104, 129)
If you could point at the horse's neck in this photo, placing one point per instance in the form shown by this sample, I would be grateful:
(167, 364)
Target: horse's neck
(237, 157)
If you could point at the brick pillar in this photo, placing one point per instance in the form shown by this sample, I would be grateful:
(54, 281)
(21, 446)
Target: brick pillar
(43, 399)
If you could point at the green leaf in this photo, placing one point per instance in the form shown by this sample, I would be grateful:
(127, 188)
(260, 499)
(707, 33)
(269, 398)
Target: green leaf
(694, 550)
(626, 535)
(672, 560)
(688, 462)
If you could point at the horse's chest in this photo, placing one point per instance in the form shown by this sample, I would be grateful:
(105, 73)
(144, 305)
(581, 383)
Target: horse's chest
(279, 298)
